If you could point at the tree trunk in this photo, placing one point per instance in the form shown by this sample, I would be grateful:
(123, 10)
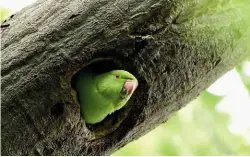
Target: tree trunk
(176, 49)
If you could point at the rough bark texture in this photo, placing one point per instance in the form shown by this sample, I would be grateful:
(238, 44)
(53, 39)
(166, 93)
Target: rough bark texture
(45, 44)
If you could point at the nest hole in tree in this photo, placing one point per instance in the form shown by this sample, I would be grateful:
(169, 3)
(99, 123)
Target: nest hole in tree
(112, 121)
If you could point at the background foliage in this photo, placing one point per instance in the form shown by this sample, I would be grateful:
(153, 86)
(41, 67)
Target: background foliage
(198, 129)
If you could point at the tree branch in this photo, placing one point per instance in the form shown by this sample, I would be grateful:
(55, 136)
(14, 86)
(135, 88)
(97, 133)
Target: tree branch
(176, 49)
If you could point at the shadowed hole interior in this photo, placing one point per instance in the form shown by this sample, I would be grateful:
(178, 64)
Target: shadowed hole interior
(100, 66)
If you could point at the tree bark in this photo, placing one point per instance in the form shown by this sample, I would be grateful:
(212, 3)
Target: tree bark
(174, 49)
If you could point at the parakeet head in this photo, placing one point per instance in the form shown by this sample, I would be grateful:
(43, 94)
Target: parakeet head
(116, 86)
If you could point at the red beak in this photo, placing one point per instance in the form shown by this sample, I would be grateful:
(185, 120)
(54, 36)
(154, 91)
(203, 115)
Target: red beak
(130, 86)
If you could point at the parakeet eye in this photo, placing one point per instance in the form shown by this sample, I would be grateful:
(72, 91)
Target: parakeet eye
(117, 76)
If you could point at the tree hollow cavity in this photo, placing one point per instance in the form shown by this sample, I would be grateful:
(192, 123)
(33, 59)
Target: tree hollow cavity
(112, 121)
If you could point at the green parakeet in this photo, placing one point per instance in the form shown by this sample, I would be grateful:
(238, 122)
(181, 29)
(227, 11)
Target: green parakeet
(101, 94)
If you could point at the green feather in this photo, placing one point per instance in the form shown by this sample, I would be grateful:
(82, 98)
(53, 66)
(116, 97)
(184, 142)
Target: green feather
(101, 94)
